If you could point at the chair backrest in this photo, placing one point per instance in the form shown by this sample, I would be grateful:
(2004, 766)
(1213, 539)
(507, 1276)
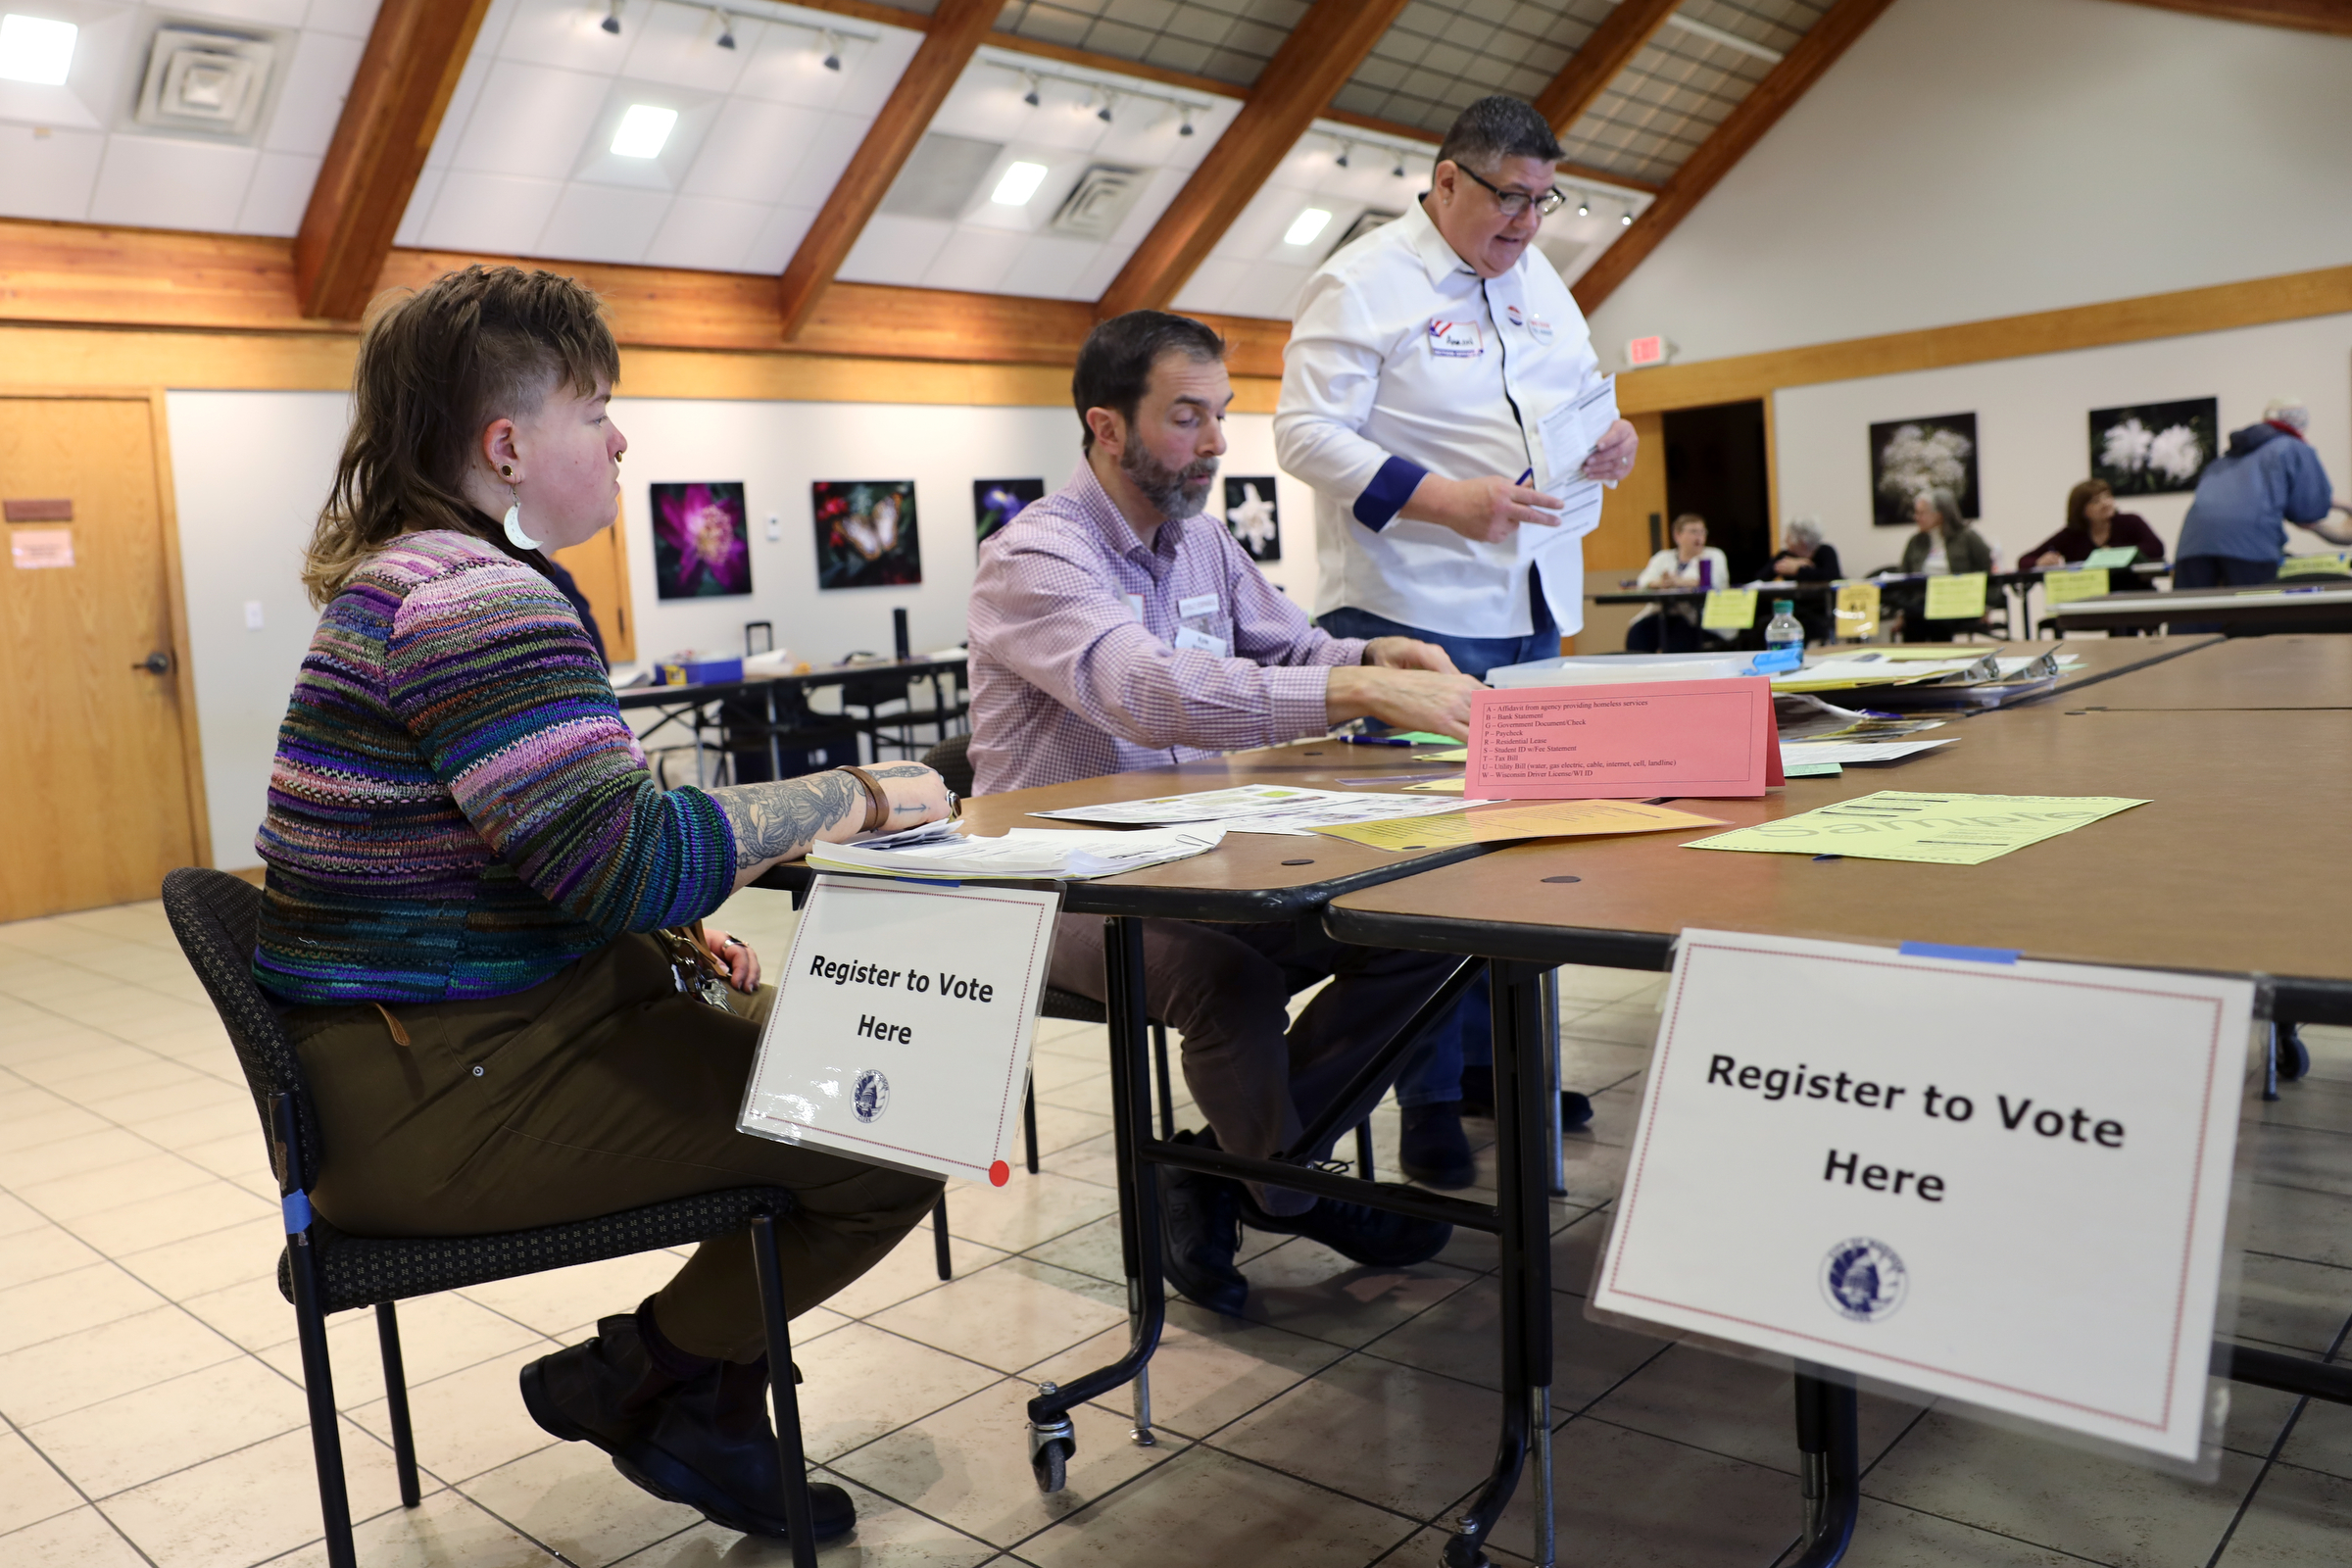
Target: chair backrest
(952, 760)
(217, 917)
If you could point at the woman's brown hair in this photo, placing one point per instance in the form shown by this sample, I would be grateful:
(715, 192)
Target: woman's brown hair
(434, 368)
(2079, 500)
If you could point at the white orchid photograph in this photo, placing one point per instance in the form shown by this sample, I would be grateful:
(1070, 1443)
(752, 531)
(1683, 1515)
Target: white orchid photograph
(1251, 518)
(1908, 455)
(2153, 448)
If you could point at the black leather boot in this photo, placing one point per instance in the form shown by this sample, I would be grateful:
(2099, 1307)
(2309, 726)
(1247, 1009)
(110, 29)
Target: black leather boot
(1199, 1234)
(709, 1445)
(597, 1391)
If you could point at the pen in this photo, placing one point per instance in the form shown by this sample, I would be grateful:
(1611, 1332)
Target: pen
(1377, 740)
(1528, 477)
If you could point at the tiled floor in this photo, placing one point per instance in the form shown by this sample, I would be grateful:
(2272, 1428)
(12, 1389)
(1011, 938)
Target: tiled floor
(152, 1414)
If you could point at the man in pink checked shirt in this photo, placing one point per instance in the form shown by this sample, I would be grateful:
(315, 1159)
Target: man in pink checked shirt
(1113, 627)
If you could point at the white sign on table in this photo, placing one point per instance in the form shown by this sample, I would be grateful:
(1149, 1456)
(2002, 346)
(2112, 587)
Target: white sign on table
(902, 1025)
(2000, 1181)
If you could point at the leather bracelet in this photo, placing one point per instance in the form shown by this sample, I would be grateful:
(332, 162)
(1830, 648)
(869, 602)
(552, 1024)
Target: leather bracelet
(877, 810)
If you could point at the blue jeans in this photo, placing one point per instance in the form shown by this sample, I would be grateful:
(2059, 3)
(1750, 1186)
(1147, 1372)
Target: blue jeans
(1433, 1075)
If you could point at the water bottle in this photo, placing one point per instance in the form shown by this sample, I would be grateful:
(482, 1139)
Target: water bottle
(1782, 633)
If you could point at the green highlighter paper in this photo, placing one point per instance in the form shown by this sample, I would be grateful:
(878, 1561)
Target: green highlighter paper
(1813, 771)
(1933, 830)
(2113, 555)
(1422, 737)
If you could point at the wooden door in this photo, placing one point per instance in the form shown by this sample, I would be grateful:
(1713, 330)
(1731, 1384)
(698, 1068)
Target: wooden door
(99, 760)
(600, 567)
(1621, 545)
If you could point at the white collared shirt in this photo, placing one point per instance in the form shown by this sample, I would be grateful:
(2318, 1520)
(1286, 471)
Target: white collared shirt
(1403, 362)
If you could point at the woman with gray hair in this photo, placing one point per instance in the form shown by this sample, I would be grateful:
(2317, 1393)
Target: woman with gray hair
(1806, 556)
(1944, 544)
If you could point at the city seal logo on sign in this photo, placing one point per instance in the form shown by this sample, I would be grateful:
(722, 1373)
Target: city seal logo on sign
(1864, 1279)
(870, 1095)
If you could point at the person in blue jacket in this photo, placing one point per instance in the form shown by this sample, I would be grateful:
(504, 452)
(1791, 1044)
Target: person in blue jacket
(2269, 475)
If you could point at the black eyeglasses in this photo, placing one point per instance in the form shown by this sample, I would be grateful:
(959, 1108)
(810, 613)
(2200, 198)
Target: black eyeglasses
(1515, 202)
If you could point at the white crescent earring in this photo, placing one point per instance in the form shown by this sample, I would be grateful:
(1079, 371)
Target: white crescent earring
(514, 522)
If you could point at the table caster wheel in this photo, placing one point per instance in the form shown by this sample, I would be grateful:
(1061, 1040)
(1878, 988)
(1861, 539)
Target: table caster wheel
(1051, 1464)
(2294, 1058)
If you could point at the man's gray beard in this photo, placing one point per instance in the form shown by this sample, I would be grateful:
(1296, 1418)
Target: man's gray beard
(1164, 486)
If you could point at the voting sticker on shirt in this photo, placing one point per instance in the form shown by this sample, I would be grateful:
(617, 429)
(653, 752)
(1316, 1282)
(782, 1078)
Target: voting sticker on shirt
(1455, 340)
(1535, 326)
(1202, 642)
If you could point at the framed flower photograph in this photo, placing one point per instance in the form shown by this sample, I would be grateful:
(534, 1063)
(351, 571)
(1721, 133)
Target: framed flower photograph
(702, 544)
(1908, 455)
(865, 533)
(1251, 517)
(996, 502)
(2154, 448)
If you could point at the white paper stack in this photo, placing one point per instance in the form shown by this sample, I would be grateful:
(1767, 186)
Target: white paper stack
(1262, 808)
(1022, 852)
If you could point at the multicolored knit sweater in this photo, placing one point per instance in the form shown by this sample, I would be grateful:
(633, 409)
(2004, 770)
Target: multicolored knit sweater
(458, 808)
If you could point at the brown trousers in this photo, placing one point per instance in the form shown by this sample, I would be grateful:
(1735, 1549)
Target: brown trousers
(597, 1090)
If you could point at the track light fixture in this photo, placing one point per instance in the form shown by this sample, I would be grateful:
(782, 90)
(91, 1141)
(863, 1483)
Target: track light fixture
(1347, 149)
(726, 29)
(1030, 97)
(832, 51)
(1398, 171)
(1584, 205)
(611, 22)
(1103, 114)
(1186, 129)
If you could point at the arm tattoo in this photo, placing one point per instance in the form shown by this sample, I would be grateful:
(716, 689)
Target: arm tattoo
(779, 821)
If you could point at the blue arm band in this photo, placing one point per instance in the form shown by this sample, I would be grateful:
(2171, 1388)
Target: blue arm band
(1390, 488)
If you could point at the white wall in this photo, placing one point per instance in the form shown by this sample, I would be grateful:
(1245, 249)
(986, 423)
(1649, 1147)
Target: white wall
(251, 469)
(1970, 159)
(2032, 426)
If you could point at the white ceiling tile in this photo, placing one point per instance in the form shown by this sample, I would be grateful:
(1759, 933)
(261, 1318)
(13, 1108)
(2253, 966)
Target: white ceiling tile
(1205, 291)
(667, 171)
(869, 70)
(1143, 133)
(155, 182)
(1262, 223)
(500, 213)
(823, 159)
(94, 77)
(976, 262)
(752, 150)
(317, 81)
(262, 12)
(280, 190)
(602, 223)
(1269, 290)
(1092, 283)
(679, 45)
(705, 232)
(462, 100)
(420, 208)
(1049, 265)
(788, 66)
(50, 173)
(353, 18)
(985, 103)
(894, 250)
(568, 33)
(779, 239)
(1209, 125)
(1159, 192)
(531, 120)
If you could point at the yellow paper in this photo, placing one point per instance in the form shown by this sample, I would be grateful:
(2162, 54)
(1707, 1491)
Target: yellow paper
(2065, 587)
(1728, 610)
(1959, 597)
(1495, 824)
(1931, 829)
(2336, 565)
(1460, 754)
(1438, 785)
(1858, 609)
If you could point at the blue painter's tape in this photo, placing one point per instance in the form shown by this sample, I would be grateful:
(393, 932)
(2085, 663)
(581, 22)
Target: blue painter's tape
(298, 1212)
(1945, 949)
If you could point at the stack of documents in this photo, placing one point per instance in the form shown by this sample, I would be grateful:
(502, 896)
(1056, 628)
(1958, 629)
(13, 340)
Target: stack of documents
(943, 851)
(1259, 809)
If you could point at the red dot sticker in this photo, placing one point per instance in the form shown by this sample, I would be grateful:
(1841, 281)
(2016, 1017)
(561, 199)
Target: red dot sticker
(998, 1174)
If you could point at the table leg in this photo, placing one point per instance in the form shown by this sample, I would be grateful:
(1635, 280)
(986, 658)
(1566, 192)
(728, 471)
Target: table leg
(1052, 1440)
(1828, 1448)
(1556, 1146)
(1524, 1236)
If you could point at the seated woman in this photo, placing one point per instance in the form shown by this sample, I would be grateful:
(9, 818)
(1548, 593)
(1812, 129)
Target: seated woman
(468, 864)
(1672, 626)
(2094, 523)
(1945, 543)
(1806, 556)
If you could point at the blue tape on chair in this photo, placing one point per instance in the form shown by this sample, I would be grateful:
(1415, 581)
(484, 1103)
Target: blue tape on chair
(1945, 949)
(298, 1212)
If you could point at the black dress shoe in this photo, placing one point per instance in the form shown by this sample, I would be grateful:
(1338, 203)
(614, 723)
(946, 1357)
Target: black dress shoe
(1200, 1231)
(1369, 1235)
(708, 1446)
(1432, 1150)
(1477, 1100)
(599, 1390)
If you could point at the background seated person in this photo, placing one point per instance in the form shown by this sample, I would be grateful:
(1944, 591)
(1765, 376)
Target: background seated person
(467, 861)
(1113, 627)
(1672, 626)
(1806, 556)
(2094, 523)
(1945, 543)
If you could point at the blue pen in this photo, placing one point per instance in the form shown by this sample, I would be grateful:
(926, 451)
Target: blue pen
(1377, 740)
(1528, 477)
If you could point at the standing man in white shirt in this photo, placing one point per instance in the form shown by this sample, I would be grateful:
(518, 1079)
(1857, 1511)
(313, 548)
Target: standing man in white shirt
(1420, 362)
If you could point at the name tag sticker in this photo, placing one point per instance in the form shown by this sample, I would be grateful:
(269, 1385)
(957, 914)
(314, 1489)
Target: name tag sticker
(1200, 642)
(1198, 605)
(1135, 605)
(1456, 340)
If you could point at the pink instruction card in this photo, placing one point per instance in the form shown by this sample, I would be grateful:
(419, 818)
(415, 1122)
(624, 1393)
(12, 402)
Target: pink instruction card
(1624, 742)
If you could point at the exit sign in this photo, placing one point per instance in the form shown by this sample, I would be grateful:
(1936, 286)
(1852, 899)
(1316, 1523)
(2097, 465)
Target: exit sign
(1643, 351)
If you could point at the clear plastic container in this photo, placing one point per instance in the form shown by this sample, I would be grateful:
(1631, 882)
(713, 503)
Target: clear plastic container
(1783, 631)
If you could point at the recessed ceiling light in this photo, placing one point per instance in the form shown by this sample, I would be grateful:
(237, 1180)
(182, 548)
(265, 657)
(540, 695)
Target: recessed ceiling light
(643, 131)
(1306, 226)
(1625, 220)
(1019, 183)
(35, 49)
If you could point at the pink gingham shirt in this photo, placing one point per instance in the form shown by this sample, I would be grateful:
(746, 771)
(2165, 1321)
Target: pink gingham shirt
(1075, 667)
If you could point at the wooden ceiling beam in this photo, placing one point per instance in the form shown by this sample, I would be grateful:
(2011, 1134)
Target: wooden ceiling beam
(957, 28)
(415, 54)
(1608, 51)
(2304, 15)
(1761, 110)
(1313, 63)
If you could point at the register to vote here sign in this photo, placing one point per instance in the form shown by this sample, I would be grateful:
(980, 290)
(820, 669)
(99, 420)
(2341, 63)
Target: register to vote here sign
(903, 1022)
(2003, 1183)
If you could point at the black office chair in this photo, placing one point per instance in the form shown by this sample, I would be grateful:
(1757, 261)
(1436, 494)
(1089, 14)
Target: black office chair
(323, 1270)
